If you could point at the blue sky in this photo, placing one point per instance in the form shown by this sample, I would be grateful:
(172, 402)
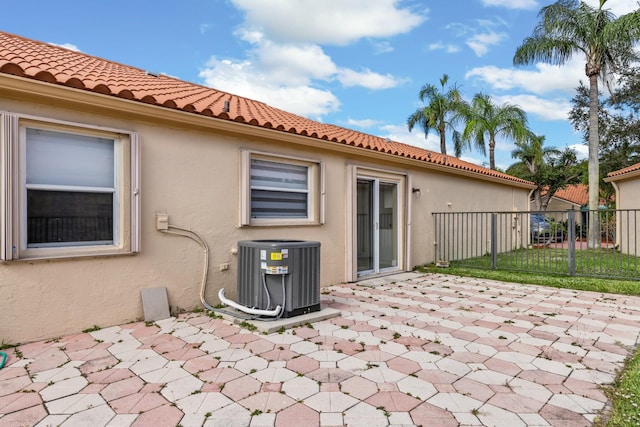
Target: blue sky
(354, 63)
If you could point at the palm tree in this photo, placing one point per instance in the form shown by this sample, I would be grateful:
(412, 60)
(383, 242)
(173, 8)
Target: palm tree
(439, 112)
(486, 120)
(570, 27)
(540, 165)
(531, 152)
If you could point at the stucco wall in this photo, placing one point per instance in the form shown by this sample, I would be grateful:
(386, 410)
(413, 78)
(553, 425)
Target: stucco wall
(628, 221)
(557, 210)
(192, 174)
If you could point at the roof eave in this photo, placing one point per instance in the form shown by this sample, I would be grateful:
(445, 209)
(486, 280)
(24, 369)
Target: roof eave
(97, 101)
(623, 176)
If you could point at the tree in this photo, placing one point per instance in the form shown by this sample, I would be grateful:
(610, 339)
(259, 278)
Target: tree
(549, 168)
(618, 125)
(570, 27)
(485, 120)
(438, 113)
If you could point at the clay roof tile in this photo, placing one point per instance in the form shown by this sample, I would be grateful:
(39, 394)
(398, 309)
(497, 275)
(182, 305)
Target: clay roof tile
(23, 57)
(620, 172)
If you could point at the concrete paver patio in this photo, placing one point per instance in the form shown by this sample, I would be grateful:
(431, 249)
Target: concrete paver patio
(409, 349)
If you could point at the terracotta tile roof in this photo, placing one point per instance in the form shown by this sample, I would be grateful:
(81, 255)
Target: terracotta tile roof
(36, 60)
(620, 172)
(578, 194)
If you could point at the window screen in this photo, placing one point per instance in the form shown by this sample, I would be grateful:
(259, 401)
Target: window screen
(279, 190)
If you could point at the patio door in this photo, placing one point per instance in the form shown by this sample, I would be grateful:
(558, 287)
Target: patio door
(377, 225)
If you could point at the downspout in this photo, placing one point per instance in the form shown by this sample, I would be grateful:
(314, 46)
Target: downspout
(407, 232)
(618, 213)
(529, 199)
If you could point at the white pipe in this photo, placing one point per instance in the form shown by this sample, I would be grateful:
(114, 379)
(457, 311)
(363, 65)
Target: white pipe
(254, 311)
(185, 232)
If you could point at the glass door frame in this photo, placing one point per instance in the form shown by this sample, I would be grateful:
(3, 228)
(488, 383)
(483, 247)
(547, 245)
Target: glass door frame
(401, 225)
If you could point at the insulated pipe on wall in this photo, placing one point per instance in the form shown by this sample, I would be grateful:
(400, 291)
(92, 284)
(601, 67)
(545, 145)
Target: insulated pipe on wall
(185, 232)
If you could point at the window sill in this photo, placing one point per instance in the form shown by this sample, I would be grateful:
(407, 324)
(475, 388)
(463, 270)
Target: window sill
(282, 223)
(68, 254)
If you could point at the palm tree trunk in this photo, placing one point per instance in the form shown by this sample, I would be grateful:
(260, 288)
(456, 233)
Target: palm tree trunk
(492, 154)
(443, 142)
(594, 237)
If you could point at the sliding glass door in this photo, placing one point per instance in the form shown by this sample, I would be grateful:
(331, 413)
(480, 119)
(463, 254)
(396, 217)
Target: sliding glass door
(377, 225)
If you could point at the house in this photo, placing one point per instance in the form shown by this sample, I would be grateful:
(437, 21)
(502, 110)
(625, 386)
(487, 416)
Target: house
(99, 157)
(570, 197)
(626, 183)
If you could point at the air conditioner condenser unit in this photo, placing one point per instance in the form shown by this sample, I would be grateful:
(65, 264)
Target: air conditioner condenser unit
(283, 273)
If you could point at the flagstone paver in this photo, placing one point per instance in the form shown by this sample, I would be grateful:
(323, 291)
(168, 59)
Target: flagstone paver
(409, 349)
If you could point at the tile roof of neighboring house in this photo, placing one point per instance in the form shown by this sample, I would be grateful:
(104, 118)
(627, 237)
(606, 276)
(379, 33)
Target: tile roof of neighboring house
(578, 194)
(32, 59)
(620, 172)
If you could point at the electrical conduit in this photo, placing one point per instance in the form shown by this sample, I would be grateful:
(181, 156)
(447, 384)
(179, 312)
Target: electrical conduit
(185, 232)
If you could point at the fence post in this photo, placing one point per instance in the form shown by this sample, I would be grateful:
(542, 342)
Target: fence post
(494, 241)
(571, 242)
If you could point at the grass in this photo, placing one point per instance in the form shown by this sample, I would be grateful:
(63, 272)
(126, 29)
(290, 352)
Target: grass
(595, 262)
(625, 396)
(625, 391)
(582, 283)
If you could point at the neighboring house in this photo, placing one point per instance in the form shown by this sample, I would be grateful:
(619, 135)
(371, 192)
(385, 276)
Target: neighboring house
(92, 150)
(626, 183)
(571, 197)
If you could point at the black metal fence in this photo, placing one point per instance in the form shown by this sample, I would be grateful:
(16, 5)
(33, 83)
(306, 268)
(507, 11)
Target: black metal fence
(555, 242)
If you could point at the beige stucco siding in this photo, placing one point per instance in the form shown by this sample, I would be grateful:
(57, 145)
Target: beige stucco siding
(558, 208)
(628, 221)
(442, 193)
(192, 173)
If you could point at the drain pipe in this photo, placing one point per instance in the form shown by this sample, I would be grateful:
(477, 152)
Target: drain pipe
(254, 311)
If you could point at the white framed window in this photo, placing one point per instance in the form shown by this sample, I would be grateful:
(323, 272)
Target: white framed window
(280, 190)
(67, 190)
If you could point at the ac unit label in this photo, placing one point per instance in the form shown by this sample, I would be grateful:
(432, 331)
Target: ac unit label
(276, 256)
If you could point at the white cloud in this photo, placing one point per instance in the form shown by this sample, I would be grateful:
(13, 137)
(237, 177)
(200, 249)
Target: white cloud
(380, 47)
(416, 138)
(313, 21)
(544, 109)
(363, 124)
(294, 64)
(366, 78)
(286, 61)
(582, 150)
(479, 38)
(69, 46)
(543, 78)
(244, 79)
(618, 7)
(512, 4)
(458, 29)
(449, 48)
(481, 42)
(283, 74)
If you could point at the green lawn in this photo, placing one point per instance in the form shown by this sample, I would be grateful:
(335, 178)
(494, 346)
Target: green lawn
(590, 262)
(625, 391)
